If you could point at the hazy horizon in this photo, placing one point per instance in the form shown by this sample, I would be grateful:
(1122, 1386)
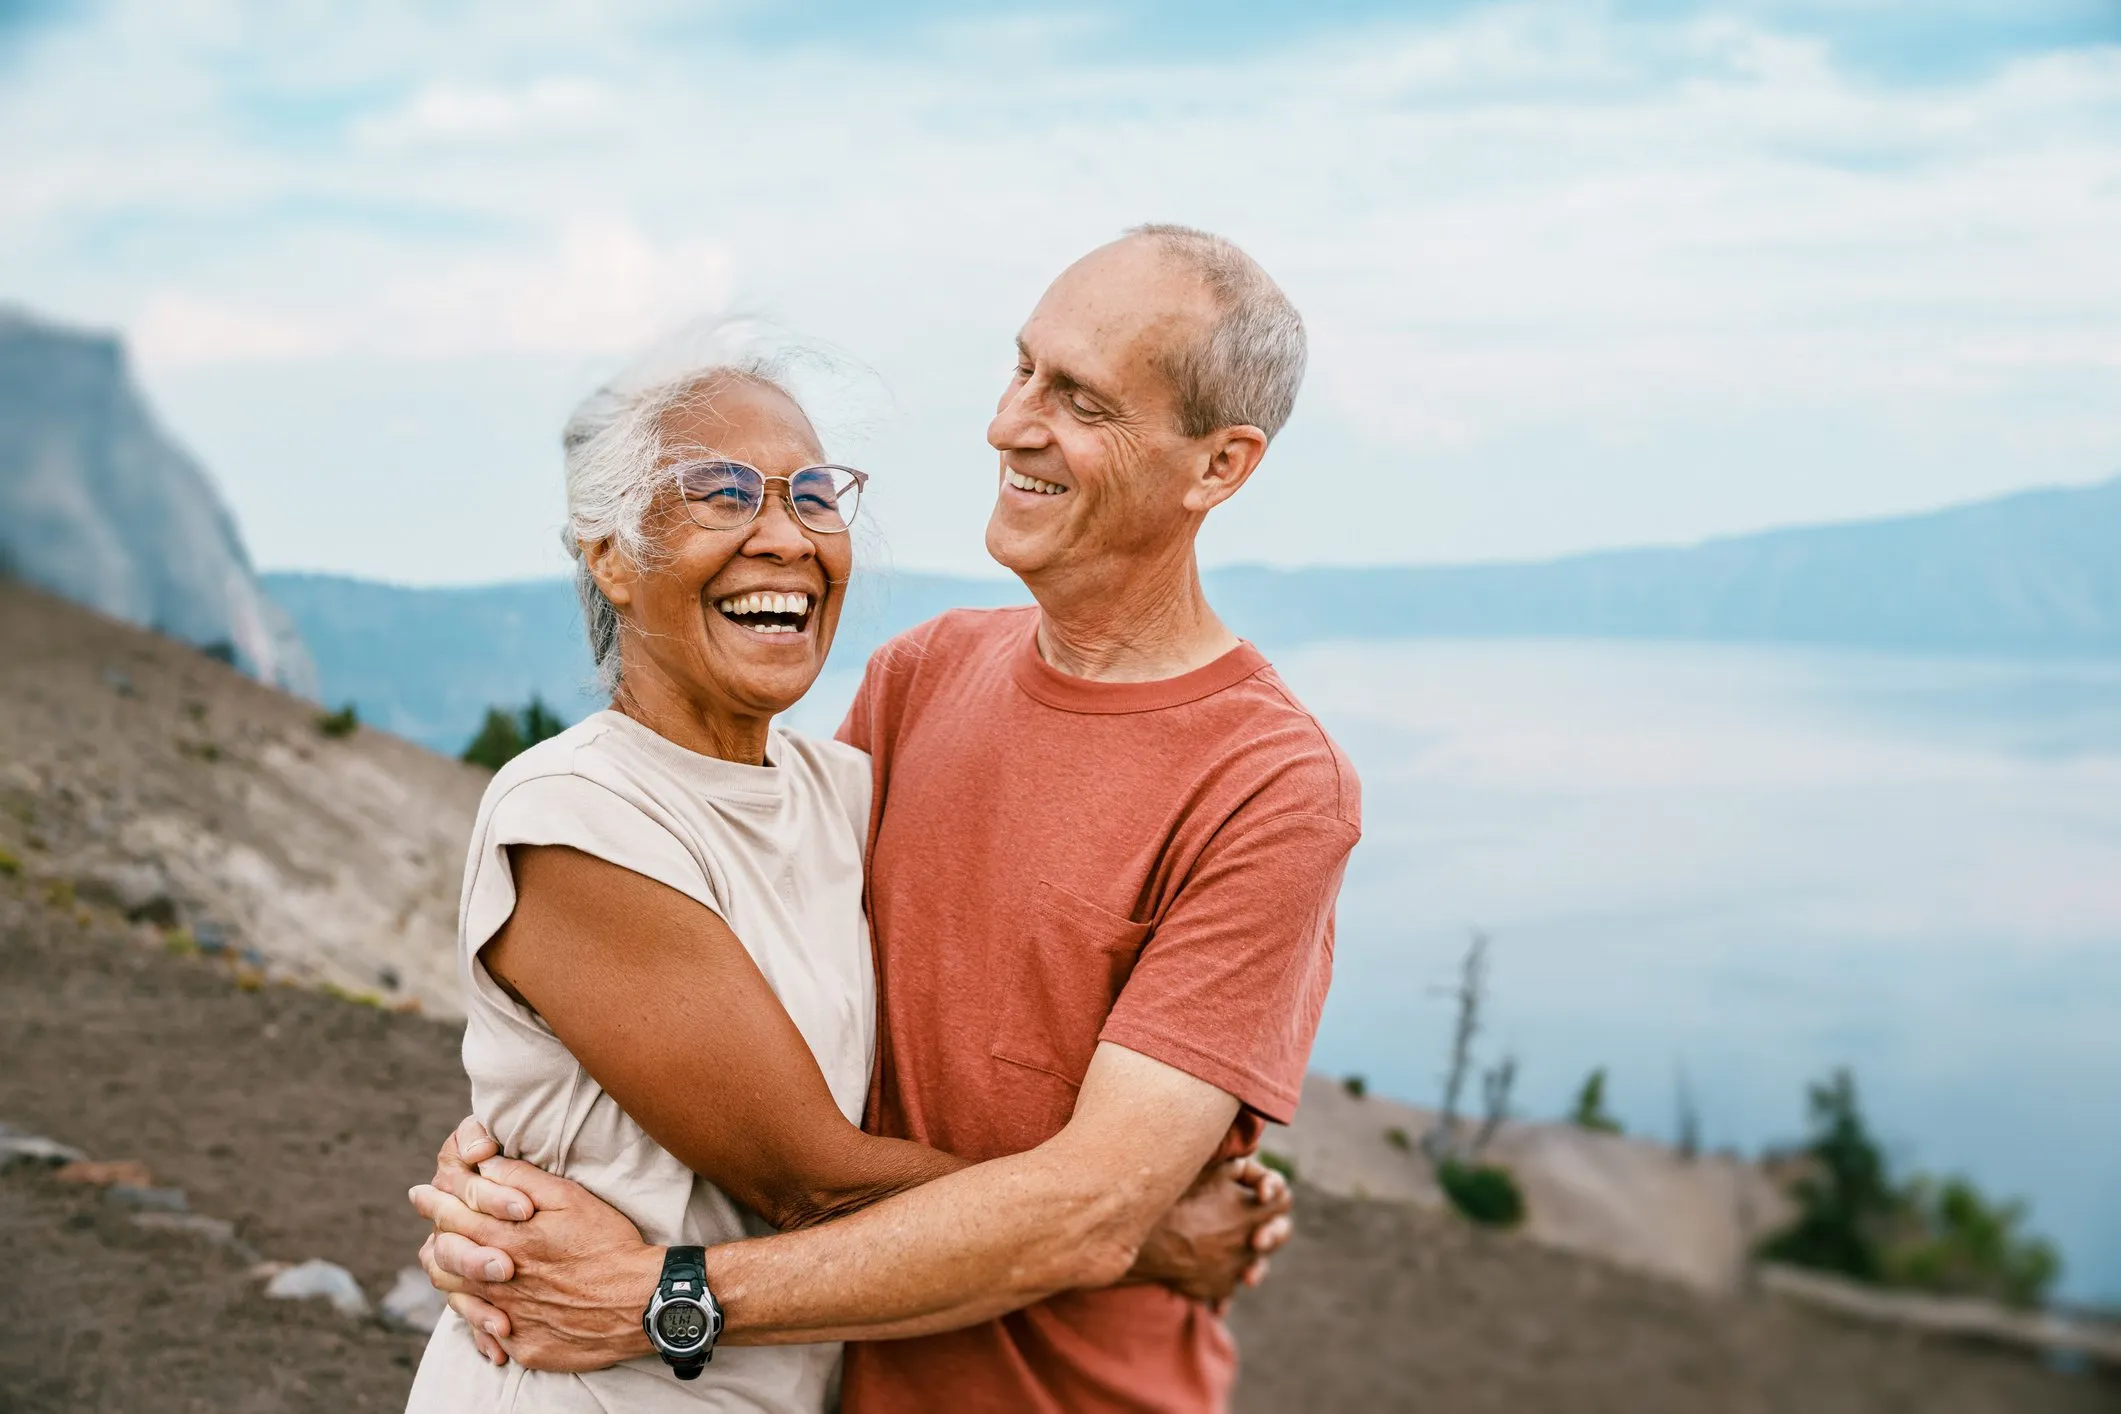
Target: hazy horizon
(1575, 279)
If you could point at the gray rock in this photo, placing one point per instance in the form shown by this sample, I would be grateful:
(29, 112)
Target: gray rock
(98, 506)
(18, 1147)
(412, 1303)
(316, 1278)
(219, 1231)
(138, 889)
(156, 1200)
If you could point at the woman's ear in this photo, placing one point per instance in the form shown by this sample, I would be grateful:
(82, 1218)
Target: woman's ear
(612, 568)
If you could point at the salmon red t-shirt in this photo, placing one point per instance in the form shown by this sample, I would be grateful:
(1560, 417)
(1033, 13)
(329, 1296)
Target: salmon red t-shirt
(1056, 862)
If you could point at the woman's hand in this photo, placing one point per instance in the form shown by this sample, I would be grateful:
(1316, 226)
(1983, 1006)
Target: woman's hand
(1220, 1234)
(561, 1289)
(457, 1174)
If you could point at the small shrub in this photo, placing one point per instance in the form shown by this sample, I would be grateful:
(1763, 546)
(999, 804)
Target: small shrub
(9, 865)
(221, 651)
(179, 942)
(1483, 1193)
(1924, 1235)
(1399, 1139)
(59, 893)
(506, 734)
(1590, 1111)
(1356, 1086)
(342, 723)
(1280, 1163)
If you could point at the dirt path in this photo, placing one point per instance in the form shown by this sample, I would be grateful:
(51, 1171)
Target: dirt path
(303, 1118)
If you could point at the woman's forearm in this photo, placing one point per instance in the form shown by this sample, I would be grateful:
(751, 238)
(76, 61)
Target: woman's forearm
(861, 1170)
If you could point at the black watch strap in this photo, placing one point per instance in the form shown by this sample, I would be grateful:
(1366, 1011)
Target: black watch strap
(685, 1275)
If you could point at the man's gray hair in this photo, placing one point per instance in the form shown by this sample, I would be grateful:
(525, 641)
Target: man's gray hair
(1245, 370)
(614, 449)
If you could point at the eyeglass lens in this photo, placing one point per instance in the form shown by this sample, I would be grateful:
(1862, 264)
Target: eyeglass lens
(724, 495)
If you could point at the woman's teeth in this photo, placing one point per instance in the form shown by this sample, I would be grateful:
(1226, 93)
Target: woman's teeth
(768, 613)
(1030, 483)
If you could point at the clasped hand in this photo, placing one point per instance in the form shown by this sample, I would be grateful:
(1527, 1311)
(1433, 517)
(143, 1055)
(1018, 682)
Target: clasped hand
(547, 1274)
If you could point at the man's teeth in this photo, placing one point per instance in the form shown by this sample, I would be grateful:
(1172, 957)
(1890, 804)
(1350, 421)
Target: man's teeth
(1030, 483)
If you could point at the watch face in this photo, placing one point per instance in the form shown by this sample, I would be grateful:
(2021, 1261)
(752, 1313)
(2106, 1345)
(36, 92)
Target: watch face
(681, 1324)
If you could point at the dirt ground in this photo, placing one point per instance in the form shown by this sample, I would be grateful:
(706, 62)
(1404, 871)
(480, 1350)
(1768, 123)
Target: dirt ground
(303, 1118)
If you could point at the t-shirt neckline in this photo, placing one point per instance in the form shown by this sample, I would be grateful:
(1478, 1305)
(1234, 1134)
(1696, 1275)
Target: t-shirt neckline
(724, 779)
(1049, 685)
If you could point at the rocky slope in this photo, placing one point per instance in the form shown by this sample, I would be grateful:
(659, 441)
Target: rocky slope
(98, 506)
(299, 1121)
(138, 772)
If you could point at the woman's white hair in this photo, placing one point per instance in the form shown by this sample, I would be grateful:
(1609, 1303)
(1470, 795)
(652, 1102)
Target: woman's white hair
(615, 450)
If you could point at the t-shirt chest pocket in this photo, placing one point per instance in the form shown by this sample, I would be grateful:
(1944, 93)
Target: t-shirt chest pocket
(1053, 983)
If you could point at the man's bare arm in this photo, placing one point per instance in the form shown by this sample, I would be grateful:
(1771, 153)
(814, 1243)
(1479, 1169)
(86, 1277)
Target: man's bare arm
(964, 1248)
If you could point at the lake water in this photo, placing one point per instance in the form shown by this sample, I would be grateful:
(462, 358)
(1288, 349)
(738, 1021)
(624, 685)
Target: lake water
(1752, 866)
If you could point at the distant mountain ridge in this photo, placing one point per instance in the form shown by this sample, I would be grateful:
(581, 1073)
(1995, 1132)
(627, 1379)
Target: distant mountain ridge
(2032, 574)
(2037, 573)
(98, 506)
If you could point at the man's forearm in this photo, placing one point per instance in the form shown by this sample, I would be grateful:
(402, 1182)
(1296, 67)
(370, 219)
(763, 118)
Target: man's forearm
(993, 1238)
(963, 1249)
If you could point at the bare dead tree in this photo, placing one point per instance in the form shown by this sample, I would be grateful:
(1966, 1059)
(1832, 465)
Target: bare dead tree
(1689, 1128)
(1441, 1142)
(1495, 1085)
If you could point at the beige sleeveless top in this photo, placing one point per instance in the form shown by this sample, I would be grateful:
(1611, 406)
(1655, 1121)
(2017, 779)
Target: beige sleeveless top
(776, 851)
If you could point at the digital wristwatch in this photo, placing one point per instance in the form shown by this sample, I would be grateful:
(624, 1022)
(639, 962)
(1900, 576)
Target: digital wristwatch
(683, 1320)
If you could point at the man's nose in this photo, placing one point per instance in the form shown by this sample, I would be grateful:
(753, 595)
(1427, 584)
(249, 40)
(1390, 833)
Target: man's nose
(1017, 425)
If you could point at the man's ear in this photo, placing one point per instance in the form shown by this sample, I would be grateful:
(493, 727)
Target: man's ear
(612, 569)
(1234, 453)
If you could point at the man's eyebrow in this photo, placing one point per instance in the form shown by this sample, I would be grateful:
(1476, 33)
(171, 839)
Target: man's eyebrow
(1061, 378)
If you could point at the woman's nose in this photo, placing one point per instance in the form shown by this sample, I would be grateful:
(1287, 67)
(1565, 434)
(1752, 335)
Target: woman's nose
(776, 531)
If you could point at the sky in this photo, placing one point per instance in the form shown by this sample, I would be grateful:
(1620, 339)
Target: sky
(1575, 274)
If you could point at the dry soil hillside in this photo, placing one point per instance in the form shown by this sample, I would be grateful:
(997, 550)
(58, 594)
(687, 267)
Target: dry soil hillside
(137, 771)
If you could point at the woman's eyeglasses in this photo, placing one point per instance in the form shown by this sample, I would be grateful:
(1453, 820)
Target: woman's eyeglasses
(727, 495)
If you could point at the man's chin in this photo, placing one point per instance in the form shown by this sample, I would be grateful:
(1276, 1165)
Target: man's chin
(1015, 551)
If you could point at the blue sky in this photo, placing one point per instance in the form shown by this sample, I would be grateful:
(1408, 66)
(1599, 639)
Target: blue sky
(1576, 274)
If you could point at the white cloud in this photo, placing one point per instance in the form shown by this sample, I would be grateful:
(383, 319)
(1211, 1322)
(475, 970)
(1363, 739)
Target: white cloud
(1570, 281)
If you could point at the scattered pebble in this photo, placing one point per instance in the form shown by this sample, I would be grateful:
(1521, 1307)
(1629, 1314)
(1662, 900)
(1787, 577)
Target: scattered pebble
(320, 1278)
(219, 1231)
(159, 1200)
(412, 1303)
(18, 1147)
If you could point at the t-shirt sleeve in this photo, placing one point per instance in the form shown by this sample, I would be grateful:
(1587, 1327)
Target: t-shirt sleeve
(1231, 982)
(580, 814)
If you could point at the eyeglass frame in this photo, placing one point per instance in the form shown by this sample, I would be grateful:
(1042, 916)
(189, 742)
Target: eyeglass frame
(861, 487)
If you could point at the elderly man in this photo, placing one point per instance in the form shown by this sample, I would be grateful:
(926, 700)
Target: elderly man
(1104, 856)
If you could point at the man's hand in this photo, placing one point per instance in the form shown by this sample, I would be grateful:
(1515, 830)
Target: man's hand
(562, 1289)
(1219, 1234)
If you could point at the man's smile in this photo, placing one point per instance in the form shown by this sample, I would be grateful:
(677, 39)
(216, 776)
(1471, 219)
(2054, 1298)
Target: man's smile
(1021, 482)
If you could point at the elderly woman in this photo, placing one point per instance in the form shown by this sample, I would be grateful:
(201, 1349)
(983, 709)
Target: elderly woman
(667, 975)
